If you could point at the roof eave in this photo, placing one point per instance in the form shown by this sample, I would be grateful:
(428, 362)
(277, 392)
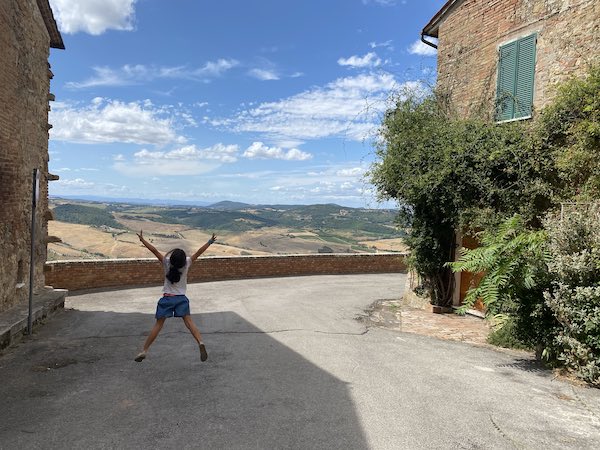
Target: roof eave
(432, 28)
(55, 36)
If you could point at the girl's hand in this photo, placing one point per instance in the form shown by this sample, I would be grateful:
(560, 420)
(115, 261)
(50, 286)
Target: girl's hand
(141, 235)
(214, 237)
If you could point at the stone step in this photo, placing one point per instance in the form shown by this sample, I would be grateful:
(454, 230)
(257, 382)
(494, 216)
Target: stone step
(13, 321)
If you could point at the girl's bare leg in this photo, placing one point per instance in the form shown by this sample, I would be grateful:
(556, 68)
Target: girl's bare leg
(189, 323)
(154, 332)
(150, 339)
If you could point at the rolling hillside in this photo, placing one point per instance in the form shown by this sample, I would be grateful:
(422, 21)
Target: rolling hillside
(85, 215)
(242, 229)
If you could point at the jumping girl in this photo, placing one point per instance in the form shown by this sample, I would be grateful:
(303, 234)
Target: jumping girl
(174, 302)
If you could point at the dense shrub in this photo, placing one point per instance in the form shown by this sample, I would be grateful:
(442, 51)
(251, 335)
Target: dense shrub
(574, 240)
(507, 335)
(568, 131)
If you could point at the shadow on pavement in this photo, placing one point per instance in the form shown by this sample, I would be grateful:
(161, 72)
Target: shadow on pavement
(75, 385)
(527, 365)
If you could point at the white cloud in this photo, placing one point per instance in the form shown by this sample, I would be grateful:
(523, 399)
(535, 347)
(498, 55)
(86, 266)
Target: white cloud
(387, 44)
(258, 150)
(264, 74)
(383, 2)
(351, 172)
(187, 160)
(305, 183)
(288, 143)
(82, 169)
(369, 60)
(420, 48)
(79, 183)
(93, 16)
(105, 121)
(215, 69)
(132, 74)
(347, 107)
(219, 152)
(336, 179)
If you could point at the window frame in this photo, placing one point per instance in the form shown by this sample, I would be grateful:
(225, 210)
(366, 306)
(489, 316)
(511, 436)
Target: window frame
(535, 35)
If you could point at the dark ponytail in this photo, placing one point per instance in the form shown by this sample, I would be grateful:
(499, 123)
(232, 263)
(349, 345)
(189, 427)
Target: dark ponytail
(177, 261)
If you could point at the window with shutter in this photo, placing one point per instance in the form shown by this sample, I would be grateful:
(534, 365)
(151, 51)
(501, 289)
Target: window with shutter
(516, 74)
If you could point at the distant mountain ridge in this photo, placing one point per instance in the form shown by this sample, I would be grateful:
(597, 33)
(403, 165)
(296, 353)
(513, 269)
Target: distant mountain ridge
(133, 201)
(224, 204)
(234, 216)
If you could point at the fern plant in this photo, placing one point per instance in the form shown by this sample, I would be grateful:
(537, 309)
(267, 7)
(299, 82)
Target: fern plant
(513, 261)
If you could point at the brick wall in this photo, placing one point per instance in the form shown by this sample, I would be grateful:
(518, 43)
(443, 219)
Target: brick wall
(24, 87)
(568, 37)
(88, 274)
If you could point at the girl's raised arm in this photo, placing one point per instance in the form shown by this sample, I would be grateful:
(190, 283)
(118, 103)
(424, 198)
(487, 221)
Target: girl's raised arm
(204, 247)
(149, 246)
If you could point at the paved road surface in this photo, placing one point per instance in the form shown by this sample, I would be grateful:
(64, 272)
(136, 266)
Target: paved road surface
(289, 367)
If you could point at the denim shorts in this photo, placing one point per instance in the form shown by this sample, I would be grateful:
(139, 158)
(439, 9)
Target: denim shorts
(177, 305)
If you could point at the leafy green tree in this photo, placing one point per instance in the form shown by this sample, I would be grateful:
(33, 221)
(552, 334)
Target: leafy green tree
(568, 131)
(449, 174)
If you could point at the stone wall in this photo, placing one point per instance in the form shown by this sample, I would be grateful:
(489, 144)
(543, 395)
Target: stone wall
(24, 89)
(568, 40)
(89, 274)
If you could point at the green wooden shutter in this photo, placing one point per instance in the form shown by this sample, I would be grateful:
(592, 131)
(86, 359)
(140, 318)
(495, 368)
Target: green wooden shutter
(525, 76)
(505, 91)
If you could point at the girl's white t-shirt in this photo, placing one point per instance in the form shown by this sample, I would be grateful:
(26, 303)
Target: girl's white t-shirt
(180, 287)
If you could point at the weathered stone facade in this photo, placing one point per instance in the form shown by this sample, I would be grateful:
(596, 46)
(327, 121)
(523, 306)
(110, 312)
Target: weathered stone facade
(470, 32)
(27, 31)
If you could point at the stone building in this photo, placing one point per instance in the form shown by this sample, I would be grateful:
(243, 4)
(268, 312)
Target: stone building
(503, 58)
(27, 32)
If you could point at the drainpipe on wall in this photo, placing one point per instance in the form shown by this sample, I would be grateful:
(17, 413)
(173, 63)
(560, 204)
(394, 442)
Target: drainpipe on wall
(425, 41)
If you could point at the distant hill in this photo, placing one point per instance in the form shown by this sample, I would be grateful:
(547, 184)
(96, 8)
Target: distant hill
(328, 217)
(85, 215)
(214, 219)
(227, 205)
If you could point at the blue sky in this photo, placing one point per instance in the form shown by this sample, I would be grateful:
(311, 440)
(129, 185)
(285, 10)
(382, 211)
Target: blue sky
(262, 101)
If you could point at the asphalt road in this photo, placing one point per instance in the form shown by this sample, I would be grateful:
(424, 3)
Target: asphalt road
(289, 367)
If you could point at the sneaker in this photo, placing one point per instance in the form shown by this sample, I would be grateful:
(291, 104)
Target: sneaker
(203, 354)
(140, 357)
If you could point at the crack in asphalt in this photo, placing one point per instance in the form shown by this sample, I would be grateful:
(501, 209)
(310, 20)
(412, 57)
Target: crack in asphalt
(505, 436)
(584, 404)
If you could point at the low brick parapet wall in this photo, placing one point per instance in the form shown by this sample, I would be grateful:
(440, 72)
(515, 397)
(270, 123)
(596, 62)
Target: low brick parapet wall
(104, 273)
